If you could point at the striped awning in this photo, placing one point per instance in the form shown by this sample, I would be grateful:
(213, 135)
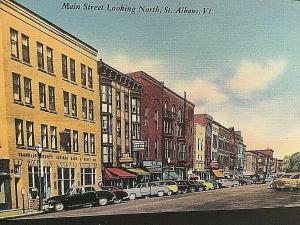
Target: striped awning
(218, 173)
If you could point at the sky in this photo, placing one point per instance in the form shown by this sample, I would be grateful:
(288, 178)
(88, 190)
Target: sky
(240, 64)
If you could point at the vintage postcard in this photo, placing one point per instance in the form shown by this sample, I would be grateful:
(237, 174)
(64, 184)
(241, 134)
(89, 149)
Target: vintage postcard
(167, 111)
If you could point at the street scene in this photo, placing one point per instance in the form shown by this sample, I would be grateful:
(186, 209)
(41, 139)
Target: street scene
(246, 197)
(156, 117)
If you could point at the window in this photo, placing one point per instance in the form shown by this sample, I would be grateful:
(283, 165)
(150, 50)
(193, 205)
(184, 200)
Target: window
(72, 70)
(19, 132)
(84, 108)
(66, 179)
(127, 130)
(33, 178)
(90, 77)
(88, 176)
(25, 48)
(14, 43)
(86, 142)
(168, 148)
(75, 141)
(119, 128)
(166, 106)
(146, 117)
(44, 135)
(66, 102)
(156, 120)
(74, 105)
(118, 100)
(215, 143)
(51, 98)
(126, 103)
(40, 55)
(64, 60)
(30, 134)
(156, 149)
(105, 124)
(16, 87)
(92, 143)
(91, 110)
(181, 151)
(107, 156)
(50, 60)
(27, 91)
(135, 131)
(83, 75)
(180, 116)
(53, 138)
(42, 90)
(173, 110)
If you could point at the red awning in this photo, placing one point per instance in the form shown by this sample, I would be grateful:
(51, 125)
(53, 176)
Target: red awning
(119, 173)
(109, 176)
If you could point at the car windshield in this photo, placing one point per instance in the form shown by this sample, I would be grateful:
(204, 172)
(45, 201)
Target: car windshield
(72, 191)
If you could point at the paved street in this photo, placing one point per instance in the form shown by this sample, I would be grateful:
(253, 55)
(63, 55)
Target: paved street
(251, 196)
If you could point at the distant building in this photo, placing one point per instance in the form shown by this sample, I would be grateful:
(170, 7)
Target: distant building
(199, 150)
(264, 161)
(250, 165)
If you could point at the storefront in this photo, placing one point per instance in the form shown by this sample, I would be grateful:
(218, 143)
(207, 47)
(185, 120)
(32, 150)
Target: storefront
(5, 194)
(142, 175)
(118, 177)
(154, 168)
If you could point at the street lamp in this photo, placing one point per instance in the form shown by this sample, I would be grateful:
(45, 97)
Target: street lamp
(39, 150)
(169, 160)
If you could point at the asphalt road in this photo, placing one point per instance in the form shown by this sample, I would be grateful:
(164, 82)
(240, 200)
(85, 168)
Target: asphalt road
(244, 197)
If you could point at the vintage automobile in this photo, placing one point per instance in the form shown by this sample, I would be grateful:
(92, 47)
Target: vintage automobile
(169, 184)
(120, 194)
(183, 187)
(146, 190)
(80, 196)
(195, 186)
(207, 184)
(288, 181)
(225, 183)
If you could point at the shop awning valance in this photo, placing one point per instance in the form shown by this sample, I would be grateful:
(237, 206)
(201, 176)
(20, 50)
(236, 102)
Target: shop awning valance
(120, 174)
(139, 171)
(218, 173)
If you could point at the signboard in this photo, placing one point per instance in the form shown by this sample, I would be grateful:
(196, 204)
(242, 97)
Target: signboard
(139, 145)
(126, 158)
(152, 164)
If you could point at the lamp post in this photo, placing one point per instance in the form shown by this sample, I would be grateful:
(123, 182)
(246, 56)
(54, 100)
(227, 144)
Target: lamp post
(39, 150)
(169, 160)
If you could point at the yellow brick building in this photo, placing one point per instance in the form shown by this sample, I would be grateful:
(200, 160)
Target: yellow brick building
(48, 95)
(199, 150)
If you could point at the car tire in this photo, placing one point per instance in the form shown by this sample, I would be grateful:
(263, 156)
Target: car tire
(201, 189)
(59, 207)
(192, 190)
(160, 193)
(102, 201)
(132, 196)
(184, 191)
(169, 193)
(117, 200)
(146, 197)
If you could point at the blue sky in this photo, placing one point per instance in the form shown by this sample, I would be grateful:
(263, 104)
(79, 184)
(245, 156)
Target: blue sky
(241, 64)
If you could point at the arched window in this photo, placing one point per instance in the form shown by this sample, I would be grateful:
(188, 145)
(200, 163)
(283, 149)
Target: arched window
(166, 106)
(180, 115)
(173, 110)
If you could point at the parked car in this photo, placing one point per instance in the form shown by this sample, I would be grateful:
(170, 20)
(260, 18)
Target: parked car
(80, 196)
(147, 190)
(183, 187)
(207, 184)
(235, 182)
(169, 184)
(119, 193)
(216, 184)
(225, 183)
(242, 181)
(196, 186)
(289, 181)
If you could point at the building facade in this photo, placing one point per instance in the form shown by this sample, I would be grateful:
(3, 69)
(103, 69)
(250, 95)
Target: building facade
(120, 106)
(250, 163)
(199, 150)
(264, 161)
(169, 132)
(49, 98)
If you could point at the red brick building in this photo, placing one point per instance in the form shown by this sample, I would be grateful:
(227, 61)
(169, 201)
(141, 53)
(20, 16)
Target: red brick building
(167, 126)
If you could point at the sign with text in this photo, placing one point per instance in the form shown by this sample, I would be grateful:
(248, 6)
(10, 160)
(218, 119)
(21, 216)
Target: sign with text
(139, 145)
(126, 158)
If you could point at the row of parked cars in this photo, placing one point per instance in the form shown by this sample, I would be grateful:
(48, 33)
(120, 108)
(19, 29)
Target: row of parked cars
(102, 195)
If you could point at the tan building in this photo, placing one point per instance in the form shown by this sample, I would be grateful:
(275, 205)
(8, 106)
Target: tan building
(199, 150)
(250, 166)
(121, 125)
(48, 95)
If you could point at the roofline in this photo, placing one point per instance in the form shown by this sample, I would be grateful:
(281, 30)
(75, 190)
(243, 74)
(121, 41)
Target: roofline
(161, 84)
(94, 51)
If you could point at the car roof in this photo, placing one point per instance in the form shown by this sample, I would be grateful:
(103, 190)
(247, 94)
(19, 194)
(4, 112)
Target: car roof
(97, 188)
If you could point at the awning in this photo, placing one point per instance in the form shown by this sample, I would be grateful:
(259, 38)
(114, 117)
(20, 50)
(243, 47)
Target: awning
(170, 175)
(218, 173)
(121, 174)
(109, 176)
(139, 171)
(154, 170)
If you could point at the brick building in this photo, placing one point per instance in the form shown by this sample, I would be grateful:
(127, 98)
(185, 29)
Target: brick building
(167, 126)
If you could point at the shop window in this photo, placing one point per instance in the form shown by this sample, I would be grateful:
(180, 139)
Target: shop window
(65, 179)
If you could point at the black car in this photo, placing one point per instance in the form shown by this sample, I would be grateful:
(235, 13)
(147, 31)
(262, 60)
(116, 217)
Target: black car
(80, 196)
(120, 194)
(196, 186)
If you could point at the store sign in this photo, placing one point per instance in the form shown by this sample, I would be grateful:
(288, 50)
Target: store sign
(125, 158)
(152, 164)
(139, 145)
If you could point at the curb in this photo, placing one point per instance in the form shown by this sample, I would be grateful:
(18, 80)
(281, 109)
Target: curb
(21, 215)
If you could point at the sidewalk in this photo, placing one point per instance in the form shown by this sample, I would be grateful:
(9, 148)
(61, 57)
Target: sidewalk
(15, 213)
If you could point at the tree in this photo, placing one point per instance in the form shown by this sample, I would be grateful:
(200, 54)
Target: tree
(291, 163)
